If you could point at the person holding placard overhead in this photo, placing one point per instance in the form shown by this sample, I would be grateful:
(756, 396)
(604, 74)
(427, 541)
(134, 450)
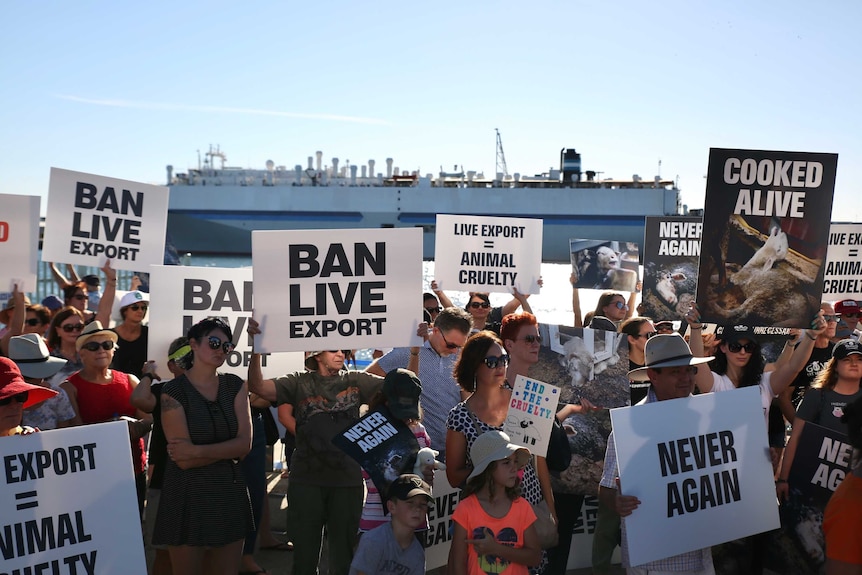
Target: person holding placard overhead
(670, 368)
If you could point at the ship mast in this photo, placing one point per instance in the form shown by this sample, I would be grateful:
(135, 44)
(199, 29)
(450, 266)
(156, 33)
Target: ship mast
(501, 157)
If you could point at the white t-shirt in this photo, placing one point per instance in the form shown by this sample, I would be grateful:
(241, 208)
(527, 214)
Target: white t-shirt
(723, 383)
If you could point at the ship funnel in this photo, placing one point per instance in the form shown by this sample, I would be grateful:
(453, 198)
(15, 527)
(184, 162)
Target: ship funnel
(364, 172)
(334, 167)
(370, 168)
(298, 169)
(310, 163)
(170, 170)
(353, 175)
(319, 156)
(389, 167)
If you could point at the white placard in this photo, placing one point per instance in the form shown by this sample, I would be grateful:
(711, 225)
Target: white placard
(438, 538)
(701, 469)
(531, 414)
(75, 488)
(337, 289)
(92, 218)
(482, 253)
(19, 241)
(182, 296)
(842, 278)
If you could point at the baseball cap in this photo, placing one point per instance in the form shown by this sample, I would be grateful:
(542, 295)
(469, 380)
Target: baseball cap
(402, 388)
(846, 348)
(733, 333)
(407, 486)
(847, 306)
(91, 280)
(134, 297)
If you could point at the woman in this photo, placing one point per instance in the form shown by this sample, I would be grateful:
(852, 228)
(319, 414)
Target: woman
(835, 387)
(62, 333)
(481, 370)
(842, 520)
(132, 334)
(75, 295)
(100, 394)
(522, 341)
(611, 309)
(486, 317)
(16, 395)
(36, 365)
(21, 317)
(204, 508)
(637, 331)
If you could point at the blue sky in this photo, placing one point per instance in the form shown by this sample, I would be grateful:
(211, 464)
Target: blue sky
(123, 89)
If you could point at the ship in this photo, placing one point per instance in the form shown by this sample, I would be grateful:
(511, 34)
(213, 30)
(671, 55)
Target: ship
(213, 209)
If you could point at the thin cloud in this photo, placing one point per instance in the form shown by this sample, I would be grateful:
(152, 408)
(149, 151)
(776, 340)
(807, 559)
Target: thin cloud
(167, 107)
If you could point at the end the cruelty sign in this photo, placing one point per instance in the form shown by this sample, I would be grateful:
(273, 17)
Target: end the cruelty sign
(701, 470)
(337, 289)
(68, 503)
(92, 218)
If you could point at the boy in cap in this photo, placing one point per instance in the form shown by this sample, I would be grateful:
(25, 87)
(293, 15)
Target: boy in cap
(393, 547)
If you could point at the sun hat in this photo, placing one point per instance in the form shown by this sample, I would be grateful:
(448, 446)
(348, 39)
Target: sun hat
(134, 297)
(31, 355)
(12, 383)
(846, 348)
(402, 388)
(665, 350)
(310, 362)
(93, 329)
(407, 486)
(52, 302)
(6, 313)
(492, 446)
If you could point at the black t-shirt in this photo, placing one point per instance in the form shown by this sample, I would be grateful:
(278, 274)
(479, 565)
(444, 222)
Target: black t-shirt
(820, 356)
(157, 455)
(131, 356)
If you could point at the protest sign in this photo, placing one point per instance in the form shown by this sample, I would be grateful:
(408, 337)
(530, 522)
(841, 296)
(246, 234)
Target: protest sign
(69, 503)
(531, 414)
(186, 295)
(19, 242)
(438, 538)
(337, 289)
(488, 254)
(604, 264)
(382, 445)
(822, 460)
(700, 467)
(765, 234)
(93, 218)
(843, 276)
(671, 254)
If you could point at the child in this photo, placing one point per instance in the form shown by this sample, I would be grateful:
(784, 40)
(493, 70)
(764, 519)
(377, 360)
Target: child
(494, 530)
(400, 394)
(393, 547)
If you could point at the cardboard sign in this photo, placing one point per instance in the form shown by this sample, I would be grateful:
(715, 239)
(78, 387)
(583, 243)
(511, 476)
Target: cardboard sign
(481, 253)
(671, 254)
(765, 233)
(701, 469)
(185, 295)
(531, 414)
(438, 538)
(843, 276)
(98, 530)
(93, 218)
(604, 265)
(337, 289)
(19, 242)
(822, 460)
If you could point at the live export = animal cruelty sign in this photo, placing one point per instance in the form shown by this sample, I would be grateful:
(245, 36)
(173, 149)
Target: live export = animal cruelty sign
(93, 218)
(843, 276)
(700, 467)
(68, 503)
(19, 242)
(337, 289)
(531, 414)
(490, 254)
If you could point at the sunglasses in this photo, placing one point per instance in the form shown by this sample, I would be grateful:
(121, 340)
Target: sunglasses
(95, 345)
(479, 304)
(853, 315)
(433, 309)
(828, 318)
(531, 339)
(70, 327)
(648, 335)
(493, 361)
(33, 321)
(19, 397)
(345, 352)
(621, 305)
(448, 344)
(138, 307)
(735, 347)
(216, 343)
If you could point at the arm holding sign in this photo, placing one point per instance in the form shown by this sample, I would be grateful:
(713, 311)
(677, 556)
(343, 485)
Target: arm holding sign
(256, 383)
(703, 378)
(786, 372)
(441, 295)
(782, 488)
(16, 322)
(107, 302)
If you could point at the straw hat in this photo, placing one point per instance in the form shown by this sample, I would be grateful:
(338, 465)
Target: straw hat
(6, 313)
(92, 329)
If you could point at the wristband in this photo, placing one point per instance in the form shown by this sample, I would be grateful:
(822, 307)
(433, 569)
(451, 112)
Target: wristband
(701, 326)
(414, 353)
(777, 481)
(808, 333)
(150, 375)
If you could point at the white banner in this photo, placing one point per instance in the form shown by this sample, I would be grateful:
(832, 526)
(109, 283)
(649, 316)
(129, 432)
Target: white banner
(182, 296)
(843, 276)
(483, 253)
(93, 218)
(531, 414)
(68, 503)
(19, 241)
(701, 469)
(337, 289)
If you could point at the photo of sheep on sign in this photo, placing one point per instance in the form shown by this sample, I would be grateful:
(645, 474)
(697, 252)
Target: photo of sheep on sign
(671, 253)
(604, 265)
(765, 234)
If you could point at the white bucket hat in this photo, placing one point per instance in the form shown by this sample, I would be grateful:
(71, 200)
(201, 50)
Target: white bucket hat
(30, 354)
(493, 446)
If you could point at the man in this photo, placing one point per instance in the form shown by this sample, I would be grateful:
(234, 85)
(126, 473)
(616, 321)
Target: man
(669, 367)
(849, 312)
(440, 392)
(326, 488)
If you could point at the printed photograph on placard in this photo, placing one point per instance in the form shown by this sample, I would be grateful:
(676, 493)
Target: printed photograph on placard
(671, 254)
(765, 234)
(604, 264)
